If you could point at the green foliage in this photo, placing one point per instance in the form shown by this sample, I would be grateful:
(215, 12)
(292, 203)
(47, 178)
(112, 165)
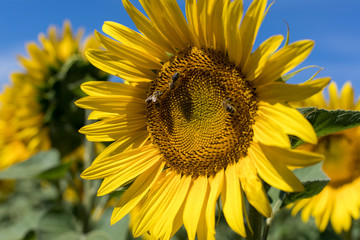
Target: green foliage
(32, 167)
(55, 172)
(326, 122)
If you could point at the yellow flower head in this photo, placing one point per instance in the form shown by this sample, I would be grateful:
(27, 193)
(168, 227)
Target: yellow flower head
(339, 201)
(199, 115)
(29, 102)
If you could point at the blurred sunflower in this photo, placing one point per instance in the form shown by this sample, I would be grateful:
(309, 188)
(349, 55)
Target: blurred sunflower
(339, 201)
(36, 109)
(199, 115)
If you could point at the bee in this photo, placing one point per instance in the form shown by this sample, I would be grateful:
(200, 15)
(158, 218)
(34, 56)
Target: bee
(154, 97)
(174, 78)
(227, 105)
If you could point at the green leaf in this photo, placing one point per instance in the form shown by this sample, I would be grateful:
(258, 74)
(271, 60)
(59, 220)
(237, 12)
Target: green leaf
(32, 167)
(99, 235)
(56, 172)
(326, 122)
(118, 231)
(58, 224)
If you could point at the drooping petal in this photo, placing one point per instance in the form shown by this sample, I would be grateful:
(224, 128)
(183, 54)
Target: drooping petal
(291, 157)
(253, 187)
(194, 205)
(160, 208)
(274, 173)
(232, 200)
(216, 185)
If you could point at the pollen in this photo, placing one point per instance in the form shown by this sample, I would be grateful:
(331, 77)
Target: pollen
(202, 120)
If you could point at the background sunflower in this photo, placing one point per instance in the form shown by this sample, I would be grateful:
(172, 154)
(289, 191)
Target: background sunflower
(339, 201)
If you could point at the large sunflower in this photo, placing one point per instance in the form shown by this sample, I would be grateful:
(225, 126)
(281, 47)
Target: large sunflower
(339, 201)
(33, 100)
(199, 115)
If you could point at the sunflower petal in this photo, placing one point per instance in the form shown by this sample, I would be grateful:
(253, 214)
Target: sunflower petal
(136, 192)
(283, 92)
(253, 187)
(232, 201)
(283, 61)
(216, 185)
(274, 173)
(146, 27)
(291, 157)
(258, 59)
(112, 64)
(134, 39)
(123, 51)
(250, 26)
(290, 120)
(194, 205)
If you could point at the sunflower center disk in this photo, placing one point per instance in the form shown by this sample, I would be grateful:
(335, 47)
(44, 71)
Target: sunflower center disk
(342, 156)
(200, 112)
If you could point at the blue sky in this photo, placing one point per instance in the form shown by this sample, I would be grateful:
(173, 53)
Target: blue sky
(333, 25)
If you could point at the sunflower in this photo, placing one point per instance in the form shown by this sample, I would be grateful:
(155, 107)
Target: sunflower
(339, 201)
(30, 104)
(199, 115)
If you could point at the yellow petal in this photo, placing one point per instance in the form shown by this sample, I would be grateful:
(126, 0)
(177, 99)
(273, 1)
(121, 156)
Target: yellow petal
(291, 157)
(168, 18)
(333, 96)
(258, 59)
(104, 88)
(253, 187)
(232, 201)
(162, 205)
(283, 92)
(232, 32)
(121, 162)
(145, 26)
(274, 173)
(270, 133)
(193, 16)
(216, 185)
(347, 97)
(124, 69)
(284, 60)
(250, 26)
(133, 39)
(291, 121)
(119, 104)
(123, 51)
(136, 192)
(113, 128)
(194, 205)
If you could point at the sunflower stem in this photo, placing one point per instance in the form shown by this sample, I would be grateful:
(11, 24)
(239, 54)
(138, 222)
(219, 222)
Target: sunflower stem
(256, 222)
(89, 154)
